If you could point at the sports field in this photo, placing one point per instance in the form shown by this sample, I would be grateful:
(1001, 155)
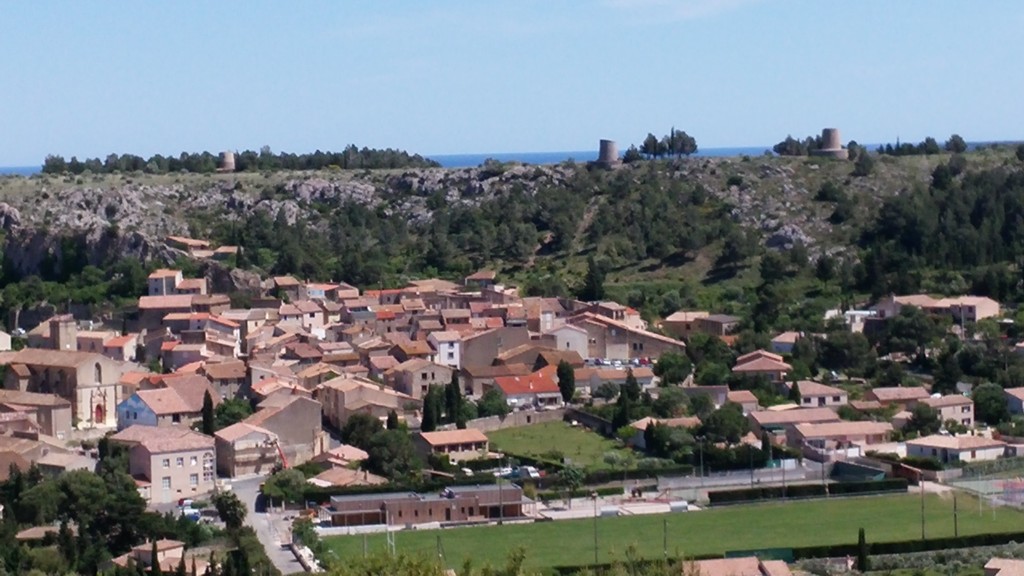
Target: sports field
(584, 447)
(744, 527)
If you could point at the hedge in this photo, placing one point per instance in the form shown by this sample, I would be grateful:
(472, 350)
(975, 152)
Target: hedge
(806, 490)
(603, 476)
(909, 546)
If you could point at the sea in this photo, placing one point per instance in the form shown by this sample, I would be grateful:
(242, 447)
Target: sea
(474, 160)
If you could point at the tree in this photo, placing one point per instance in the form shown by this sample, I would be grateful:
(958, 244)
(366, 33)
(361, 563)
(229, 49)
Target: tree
(606, 391)
(649, 148)
(794, 394)
(453, 399)
(154, 567)
(623, 411)
(924, 420)
(433, 406)
(392, 454)
(631, 387)
(570, 478)
(726, 424)
(862, 553)
(566, 380)
(1020, 152)
(670, 403)
(230, 508)
(493, 403)
(208, 427)
(956, 144)
(231, 411)
(392, 423)
(593, 283)
(672, 368)
(286, 485)
(990, 404)
(359, 429)
(864, 165)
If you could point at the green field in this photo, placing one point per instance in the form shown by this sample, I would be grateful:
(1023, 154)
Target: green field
(553, 440)
(792, 524)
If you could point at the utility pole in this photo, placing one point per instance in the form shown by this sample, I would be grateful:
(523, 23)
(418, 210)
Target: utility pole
(664, 537)
(920, 480)
(593, 496)
(956, 527)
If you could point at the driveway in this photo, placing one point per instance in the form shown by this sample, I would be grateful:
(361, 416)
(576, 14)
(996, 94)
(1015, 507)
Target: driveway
(271, 527)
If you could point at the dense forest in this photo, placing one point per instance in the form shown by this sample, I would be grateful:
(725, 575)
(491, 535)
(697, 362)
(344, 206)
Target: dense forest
(351, 157)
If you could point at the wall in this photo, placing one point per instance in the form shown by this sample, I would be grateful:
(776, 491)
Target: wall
(512, 420)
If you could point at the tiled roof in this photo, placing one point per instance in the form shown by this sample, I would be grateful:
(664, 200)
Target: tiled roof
(896, 393)
(171, 302)
(955, 442)
(539, 382)
(446, 437)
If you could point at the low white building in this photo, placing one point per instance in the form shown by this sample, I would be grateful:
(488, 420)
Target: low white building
(947, 449)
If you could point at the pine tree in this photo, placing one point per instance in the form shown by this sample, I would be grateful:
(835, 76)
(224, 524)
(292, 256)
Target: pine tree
(431, 412)
(154, 567)
(631, 388)
(392, 423)
(794, 394)
(208, 427)
(593, 283)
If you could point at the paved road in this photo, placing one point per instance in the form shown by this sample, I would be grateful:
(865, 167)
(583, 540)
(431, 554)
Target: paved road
(270, 527)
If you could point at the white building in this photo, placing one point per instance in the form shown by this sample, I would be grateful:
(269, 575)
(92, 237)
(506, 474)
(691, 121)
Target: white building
(948, 449)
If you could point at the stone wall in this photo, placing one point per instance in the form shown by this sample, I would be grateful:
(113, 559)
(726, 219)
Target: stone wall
(512, 420)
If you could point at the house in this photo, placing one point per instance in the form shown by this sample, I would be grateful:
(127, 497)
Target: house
(90, 382)
(163, 282)
(456, 504)
(180, 404)
(244, 449)
(406, 349)
(779, 421)
(746, 400)
(122, 348)
(341, 397)
(761, 363)
(285, 287)
(961, 309)
(615, 311)
(1014, 400)
(169, 463)
(50, 412)
(342, 456)
(959, 409)
(683, 323)
(903, 396)
(607, 338)
(639, 441)
(228, 378)
(481, 279)
(457, 445)
(447, 346)
(838, 435)
(815, 394)
(169, 555)
(592, 378)
(717, 324)
(783, 343)
(482, 348)
(153, 309)
(296, 423)
(478, 378)
(950, 449)
(415, 377)
(743, 566)
(569, 338)
(539, 388)
(341, 476)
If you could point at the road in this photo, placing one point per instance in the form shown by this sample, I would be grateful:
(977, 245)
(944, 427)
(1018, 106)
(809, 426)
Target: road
(270, 527)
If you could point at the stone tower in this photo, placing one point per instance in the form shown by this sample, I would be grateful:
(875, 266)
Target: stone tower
(64, 333)
(227, 161)
(832, 145)
(608, 153)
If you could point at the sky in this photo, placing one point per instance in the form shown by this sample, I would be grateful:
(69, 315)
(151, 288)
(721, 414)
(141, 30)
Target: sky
(444, 77)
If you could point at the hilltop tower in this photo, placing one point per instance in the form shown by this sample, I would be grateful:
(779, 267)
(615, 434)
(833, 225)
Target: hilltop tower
(832, 145)
(227, 161)
(63, 333)
(608, 153)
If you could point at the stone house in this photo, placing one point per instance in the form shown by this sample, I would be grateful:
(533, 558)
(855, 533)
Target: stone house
(52, 413)
(415, 377)
(169, 463)
(458, 445)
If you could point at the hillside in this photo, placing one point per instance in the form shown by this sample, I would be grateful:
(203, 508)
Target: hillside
(689, 226)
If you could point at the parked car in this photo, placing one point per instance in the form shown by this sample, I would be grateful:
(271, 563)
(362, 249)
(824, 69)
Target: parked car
(191, 514)
(184, 503)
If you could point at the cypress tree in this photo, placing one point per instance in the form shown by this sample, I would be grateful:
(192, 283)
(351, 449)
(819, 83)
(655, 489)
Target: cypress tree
(208, 414)
(154, 566)
(862, 552)
(392, 423)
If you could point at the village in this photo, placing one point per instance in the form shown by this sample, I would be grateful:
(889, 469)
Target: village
(307, 364)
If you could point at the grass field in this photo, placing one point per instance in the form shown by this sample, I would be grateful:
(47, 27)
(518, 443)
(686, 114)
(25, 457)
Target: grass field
(585, 448)
(792, 524)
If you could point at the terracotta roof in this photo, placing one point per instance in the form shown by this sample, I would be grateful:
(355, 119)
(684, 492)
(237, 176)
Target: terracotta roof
(865, 404)
(192, 388)
(415, 348)
(832, 429)
(483, 275)
(163, 438)
(741, 397)
(686, 316)
(443, 335)
(341, 476)
(240, 430)
(540, 382)
(787, 338)
(809, 388)
(164, 273)
(950, 400)
(285, 282)
(896, 393)
(446, 437)
(32, 398)
(121, 341)
(795, 416)
(54, 358)
(744, 566)
(347, 452)
(170, 302)
(191, 284)
(1015, 392)
(497, 371)
(225, 370)
(165, 401)
(9, 458)
(955, 442)
(758, 354)
(762, 365)
(682, 422)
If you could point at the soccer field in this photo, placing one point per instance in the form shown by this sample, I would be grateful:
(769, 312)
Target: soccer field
(715, 531)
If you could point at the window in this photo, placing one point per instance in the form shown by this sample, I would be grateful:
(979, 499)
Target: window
(451, 355)
(965, 409)
(193, 480)
(835, 398)
(193, 461)
(176, 418)
(166, 463)
(423, 375)
(179, 462)
(165, 482)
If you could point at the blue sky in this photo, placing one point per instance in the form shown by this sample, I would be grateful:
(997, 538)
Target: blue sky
(435, 77)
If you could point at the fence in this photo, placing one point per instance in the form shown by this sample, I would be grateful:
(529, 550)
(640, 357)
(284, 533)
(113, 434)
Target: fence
(513, 420)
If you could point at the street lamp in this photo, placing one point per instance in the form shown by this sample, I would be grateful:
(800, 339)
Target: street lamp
(700, 447)
(593, 496)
